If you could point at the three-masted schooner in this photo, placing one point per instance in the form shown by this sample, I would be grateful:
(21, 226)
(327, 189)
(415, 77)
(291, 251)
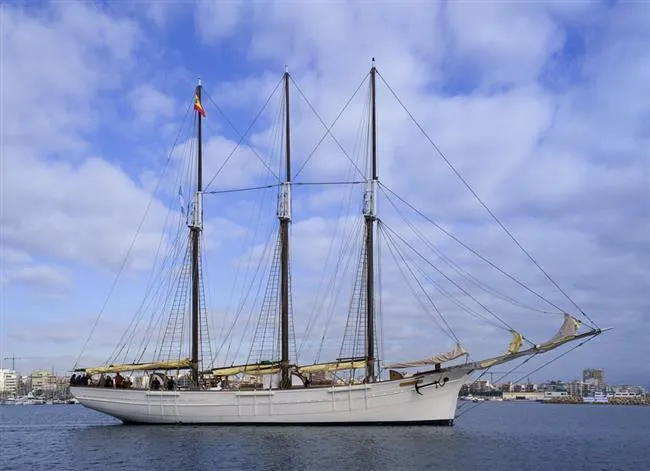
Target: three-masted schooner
(278, 391)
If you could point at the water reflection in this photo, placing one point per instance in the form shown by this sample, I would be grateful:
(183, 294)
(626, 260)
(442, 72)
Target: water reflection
(503, 436)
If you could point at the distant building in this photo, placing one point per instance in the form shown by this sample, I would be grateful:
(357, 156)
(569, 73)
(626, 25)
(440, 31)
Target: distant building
(577, 388)
(554, 386)
(626, 391)
(480, 386)
(524, 387)
(595, 379)
(24, 385)
(43, 380)
(8, 381)
(523, 396)
(555, 394)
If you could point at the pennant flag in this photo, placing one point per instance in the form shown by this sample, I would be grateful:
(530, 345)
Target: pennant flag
(181, 199)
(197, 105)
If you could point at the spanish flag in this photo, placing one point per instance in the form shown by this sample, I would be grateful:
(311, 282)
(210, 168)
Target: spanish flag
(197, 105)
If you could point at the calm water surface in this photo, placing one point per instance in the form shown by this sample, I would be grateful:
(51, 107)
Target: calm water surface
(493, 436)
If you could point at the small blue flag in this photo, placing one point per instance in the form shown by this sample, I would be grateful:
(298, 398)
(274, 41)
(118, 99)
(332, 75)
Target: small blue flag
(181, 199)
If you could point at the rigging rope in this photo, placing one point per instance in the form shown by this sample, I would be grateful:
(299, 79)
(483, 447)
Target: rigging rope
(243, 136)
(171, 256)
(346, 238)
(328, 128)
(444, 292)
(137, 232)
(508, 326)
(237, 190)
(450, 332)
(468, 186)
(456, 239)
(328, 183)
(535, 370)
(463, 273)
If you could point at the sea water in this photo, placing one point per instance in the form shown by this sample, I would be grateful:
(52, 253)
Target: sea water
(492, 436)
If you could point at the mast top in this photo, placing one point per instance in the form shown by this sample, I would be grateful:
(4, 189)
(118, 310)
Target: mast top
(373, 61)
(199, 82)
(286, 69)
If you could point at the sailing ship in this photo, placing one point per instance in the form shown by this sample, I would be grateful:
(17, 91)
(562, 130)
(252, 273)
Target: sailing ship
(271, 387)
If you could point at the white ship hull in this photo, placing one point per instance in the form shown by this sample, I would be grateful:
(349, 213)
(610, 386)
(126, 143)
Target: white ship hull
(388, 402)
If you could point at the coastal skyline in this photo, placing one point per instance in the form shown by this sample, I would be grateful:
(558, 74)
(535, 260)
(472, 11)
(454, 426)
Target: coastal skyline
(540, 107)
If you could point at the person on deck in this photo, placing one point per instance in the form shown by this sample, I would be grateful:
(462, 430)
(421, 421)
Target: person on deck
(119, 379)
(171, 384)
(102, 381)
(155, 384)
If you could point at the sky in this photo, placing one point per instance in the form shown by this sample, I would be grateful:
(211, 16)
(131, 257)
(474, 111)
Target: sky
(542, 107)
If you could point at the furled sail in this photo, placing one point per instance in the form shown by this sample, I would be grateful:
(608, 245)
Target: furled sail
(256, 369)
(567, 332)
(515, 343)
(458, 351)
(161, 365)
(333, 366)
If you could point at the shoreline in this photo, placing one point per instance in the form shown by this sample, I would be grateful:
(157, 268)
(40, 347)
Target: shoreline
(614, 401)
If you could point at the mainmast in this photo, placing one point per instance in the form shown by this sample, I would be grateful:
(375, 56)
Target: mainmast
(284, 215)
(196, 226)
(369, 213)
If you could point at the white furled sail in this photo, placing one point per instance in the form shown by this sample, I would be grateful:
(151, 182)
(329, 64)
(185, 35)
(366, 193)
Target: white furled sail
(566, 333)
(456, 352)
(253, 370)
(160, 365)
(516, 342)
(333, 366)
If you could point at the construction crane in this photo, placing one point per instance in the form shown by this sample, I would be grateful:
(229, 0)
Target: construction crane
(13, 359)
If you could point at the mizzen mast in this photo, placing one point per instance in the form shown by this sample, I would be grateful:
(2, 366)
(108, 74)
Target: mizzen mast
(284, 215)
(196, 226)
(369, 212)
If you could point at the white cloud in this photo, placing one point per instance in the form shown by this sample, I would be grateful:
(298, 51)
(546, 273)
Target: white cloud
(501, 44)
(217, 20)
(53, 61)
(58, 200)
(41, 277)
(9, 255)
(474, 78)
(150, 104)
(85, 212)
(551, 134)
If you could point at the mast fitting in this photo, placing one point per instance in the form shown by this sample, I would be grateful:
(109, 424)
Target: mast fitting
(197, 211)
(284, 201)
(370, 200)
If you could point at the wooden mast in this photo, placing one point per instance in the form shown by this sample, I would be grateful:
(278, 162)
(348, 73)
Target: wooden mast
(370, 216)
(195, 230)
(284, 214)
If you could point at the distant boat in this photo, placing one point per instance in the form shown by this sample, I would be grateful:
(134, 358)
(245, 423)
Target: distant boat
(272, 388)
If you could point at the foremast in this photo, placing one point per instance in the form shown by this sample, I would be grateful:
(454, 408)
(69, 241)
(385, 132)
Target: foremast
(196, 226)
(284, 215)
(369, 212)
